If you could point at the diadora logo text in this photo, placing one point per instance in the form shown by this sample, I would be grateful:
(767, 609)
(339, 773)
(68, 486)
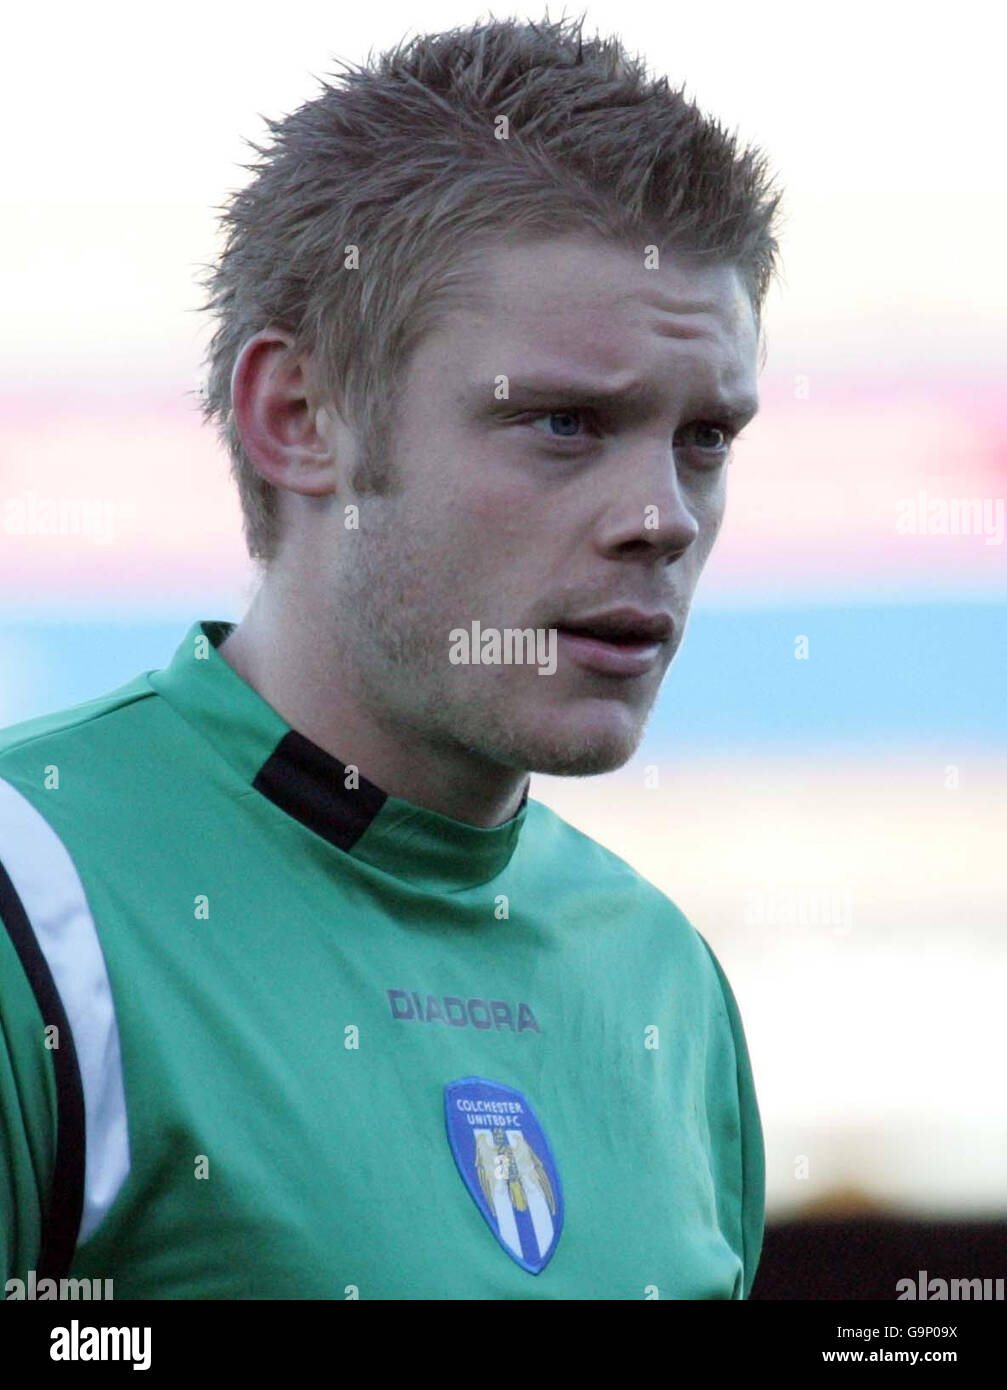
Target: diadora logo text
(455, 1012)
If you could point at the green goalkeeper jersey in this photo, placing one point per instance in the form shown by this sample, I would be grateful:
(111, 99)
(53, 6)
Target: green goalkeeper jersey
(269, 1032)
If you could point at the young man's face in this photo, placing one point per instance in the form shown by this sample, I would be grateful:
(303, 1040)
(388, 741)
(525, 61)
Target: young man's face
(547, 509)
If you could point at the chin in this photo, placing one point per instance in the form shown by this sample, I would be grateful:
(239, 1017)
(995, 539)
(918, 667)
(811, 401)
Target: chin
(559, 742)
(580, 762)
(586, 752)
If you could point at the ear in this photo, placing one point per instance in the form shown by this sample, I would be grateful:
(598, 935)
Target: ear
(286, 432)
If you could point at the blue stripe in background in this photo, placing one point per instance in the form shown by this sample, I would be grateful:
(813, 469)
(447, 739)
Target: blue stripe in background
(876, 674)
(892, 673)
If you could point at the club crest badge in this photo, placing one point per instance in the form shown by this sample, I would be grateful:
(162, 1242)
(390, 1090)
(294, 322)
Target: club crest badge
(507, 1165)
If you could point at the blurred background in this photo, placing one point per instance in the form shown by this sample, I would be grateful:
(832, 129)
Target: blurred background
(823, 784)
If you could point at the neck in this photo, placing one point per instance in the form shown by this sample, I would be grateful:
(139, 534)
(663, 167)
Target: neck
(286, 656)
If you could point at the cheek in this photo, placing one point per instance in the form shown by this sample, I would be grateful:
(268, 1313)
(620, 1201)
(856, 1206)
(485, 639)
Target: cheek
(440, 557)
(707, 505)
(488, 523)
(711, 517)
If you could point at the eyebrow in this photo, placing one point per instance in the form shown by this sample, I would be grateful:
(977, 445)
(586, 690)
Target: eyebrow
(738, 410)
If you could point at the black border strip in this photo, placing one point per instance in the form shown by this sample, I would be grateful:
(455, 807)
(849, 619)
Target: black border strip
(309, 784)
(61, 1223)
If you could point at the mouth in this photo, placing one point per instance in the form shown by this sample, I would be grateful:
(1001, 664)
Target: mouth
(614, 647)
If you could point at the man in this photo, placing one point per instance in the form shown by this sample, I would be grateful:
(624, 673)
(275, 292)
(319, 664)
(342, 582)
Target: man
(303, 996)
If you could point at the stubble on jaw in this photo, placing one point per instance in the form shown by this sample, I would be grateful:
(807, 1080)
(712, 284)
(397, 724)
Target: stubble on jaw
(402, 669)
(416, 693)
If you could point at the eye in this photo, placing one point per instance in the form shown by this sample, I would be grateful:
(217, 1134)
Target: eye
(568, 417)
(726, 433)
(562, 413)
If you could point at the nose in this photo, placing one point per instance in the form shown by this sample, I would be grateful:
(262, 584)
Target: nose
(649, 513)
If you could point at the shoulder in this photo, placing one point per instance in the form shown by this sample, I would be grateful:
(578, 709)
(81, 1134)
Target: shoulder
(611, 880)
(75, 723)
(82, 735)
(60, 774)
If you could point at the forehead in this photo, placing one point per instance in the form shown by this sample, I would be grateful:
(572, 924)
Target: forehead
(595, 307)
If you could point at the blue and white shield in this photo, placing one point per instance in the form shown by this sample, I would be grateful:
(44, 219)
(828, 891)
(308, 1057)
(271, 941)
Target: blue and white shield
(507, 1165)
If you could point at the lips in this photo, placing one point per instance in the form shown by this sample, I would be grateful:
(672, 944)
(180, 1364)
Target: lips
(624, 627)
(621, 642)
